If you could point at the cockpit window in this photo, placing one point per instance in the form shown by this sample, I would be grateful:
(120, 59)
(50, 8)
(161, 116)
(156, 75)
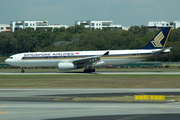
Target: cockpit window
(11, 58)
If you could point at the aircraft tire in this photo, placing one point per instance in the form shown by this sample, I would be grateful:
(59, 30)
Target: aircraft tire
(88, 70)
(85, 71)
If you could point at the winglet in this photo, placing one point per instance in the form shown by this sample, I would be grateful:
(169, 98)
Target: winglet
(159, 40)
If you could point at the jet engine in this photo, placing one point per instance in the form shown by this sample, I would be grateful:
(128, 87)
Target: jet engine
(66, 66)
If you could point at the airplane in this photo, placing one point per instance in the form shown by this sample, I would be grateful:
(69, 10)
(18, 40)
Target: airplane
(70, 60)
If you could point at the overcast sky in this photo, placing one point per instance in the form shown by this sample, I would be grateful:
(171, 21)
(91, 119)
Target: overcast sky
(123, 12)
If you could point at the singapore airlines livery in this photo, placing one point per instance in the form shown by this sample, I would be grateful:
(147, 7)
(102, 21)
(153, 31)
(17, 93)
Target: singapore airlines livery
(78, 59)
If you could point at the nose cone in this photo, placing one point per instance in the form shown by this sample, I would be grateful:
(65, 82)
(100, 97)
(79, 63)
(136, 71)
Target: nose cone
(7, 60)
(10, 61)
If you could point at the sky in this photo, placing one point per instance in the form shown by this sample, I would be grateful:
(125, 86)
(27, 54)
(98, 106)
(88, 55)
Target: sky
(66, 12)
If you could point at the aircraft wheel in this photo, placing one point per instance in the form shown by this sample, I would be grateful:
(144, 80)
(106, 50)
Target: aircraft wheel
(85, 70)
(22, 71)
(93, 70)
(88, 70)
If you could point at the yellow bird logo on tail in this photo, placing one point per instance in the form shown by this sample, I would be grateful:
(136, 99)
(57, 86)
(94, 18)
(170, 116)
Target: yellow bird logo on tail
(158, 39)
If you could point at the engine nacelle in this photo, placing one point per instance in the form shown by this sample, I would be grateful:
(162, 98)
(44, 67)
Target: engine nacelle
(66, 66)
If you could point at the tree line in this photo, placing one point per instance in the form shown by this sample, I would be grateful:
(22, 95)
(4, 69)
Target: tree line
(77, 38)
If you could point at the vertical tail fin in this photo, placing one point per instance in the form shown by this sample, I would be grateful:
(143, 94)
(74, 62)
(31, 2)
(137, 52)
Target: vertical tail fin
(160, 39)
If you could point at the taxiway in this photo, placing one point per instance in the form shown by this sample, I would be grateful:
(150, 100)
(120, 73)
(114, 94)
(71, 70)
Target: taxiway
(39, 104)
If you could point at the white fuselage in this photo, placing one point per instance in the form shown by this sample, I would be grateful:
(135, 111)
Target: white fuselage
(47, 59)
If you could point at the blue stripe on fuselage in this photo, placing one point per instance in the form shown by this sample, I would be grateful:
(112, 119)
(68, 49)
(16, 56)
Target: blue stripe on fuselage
(85, 56)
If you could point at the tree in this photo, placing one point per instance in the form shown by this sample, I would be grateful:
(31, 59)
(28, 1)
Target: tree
(71, 30)
(56, 30)
(175, 35)
(144, 30)
(135, 30)
(8, 44)
(106, 28)
(62, 29)
(79, 29)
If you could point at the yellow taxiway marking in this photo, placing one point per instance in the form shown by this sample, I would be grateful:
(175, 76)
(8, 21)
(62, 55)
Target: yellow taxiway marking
(3, 106)
(107, 106)
(166, 106)
(160, 106)
(58, 99)
(3, 112)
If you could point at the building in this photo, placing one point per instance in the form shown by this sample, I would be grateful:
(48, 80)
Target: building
(5, 28)
(15, 25)
(98, 24)
(152, 25)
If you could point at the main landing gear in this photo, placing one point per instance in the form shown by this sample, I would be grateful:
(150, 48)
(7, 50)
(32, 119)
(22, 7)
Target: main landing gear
(22, 71)
(89, 70)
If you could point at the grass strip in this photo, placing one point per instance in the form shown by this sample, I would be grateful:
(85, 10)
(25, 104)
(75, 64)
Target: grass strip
(89, 81)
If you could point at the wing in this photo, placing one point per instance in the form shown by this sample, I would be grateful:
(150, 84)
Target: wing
(88, 61)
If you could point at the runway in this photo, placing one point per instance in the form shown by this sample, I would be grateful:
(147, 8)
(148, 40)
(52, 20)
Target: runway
(80, 73)
(40, 104)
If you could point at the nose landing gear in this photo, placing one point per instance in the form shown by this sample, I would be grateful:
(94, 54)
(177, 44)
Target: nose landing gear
(22, 70)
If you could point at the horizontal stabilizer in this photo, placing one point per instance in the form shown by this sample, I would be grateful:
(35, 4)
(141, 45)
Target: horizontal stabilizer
(160, 51)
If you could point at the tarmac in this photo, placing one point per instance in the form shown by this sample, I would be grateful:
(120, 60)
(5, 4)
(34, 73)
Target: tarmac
(42, 104)
(57, 104)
